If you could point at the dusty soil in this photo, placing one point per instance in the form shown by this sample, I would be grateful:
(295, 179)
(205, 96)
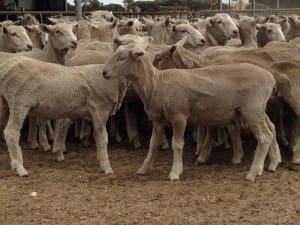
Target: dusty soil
(74, 192)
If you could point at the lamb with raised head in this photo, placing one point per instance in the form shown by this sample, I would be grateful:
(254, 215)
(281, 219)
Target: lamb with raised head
(200, 96)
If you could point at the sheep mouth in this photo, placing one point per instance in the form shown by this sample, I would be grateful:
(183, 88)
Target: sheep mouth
(64, 50)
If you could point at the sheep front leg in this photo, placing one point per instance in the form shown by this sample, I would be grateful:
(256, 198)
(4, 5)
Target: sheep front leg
(101, 139)
(177, 146)
(155, 141)
(12, 137)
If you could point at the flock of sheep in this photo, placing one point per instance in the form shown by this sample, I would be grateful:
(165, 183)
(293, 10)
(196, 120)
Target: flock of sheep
(216, 75)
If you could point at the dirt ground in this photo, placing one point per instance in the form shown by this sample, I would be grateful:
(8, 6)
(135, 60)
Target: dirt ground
(74, 192)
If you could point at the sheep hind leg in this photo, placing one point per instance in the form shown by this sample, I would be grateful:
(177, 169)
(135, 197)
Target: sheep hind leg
(114, 129)
(85, 133)
(200, 139)
(32, 133)
(237, 148)
(12, 133)
(178, 126)
(131, 126)
(264, 136)
(274, 151)
(165, 144)
(282, 130)
(207, 147)
(155, 141)
(43, 138)
(60, 136)
(50, 130)
(3, 116)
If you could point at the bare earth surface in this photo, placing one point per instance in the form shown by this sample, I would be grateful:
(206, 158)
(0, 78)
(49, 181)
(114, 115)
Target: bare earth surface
(74, 192)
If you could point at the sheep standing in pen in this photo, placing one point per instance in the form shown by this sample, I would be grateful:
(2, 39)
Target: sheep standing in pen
(51, 91)
(209, 96)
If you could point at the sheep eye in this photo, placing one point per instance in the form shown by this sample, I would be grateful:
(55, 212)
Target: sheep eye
(269, 31)
(219, 22)
(121, 58)
(14, 34)
(58, 32)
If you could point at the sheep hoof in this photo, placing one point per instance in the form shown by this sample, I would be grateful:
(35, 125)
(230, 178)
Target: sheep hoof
(236, 161)
(108, 171)
(165, 146)
(118, 138)
(200, 160)
(284, 142)
(142, 171)
(296, 160)
(260, 171)
(60, 158)
(173, 177)
(86, 143)
(22, 172)
(227, 146)
(250, 177)
(137, 144)
(33, 145)
(273, 166)
(46, 148)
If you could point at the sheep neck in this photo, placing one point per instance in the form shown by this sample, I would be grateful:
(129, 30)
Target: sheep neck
(144, 81)
(3, 46)
(248, 40)
(54, 53)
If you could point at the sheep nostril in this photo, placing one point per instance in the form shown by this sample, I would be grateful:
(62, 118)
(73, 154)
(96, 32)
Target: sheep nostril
(75, 43)
(29, 47)
(202, 41)
(104, 73)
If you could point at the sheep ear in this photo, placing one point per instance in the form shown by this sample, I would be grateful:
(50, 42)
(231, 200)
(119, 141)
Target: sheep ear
(117, 41)
(210, 22)
(5, 31)
(75, 26)
(114, 24)
(137, 53)
(291, 20)
(150, 39)
(52, 20)
(130, 23)
(168, 21)
(258, 26)
(46, 28)
(182, 41)
(174, 28)
(29, 28)
(172, 49)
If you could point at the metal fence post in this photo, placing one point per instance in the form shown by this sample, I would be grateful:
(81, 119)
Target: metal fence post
(78, 9)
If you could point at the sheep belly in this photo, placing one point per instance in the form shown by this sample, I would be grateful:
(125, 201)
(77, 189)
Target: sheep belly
(65, 103)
